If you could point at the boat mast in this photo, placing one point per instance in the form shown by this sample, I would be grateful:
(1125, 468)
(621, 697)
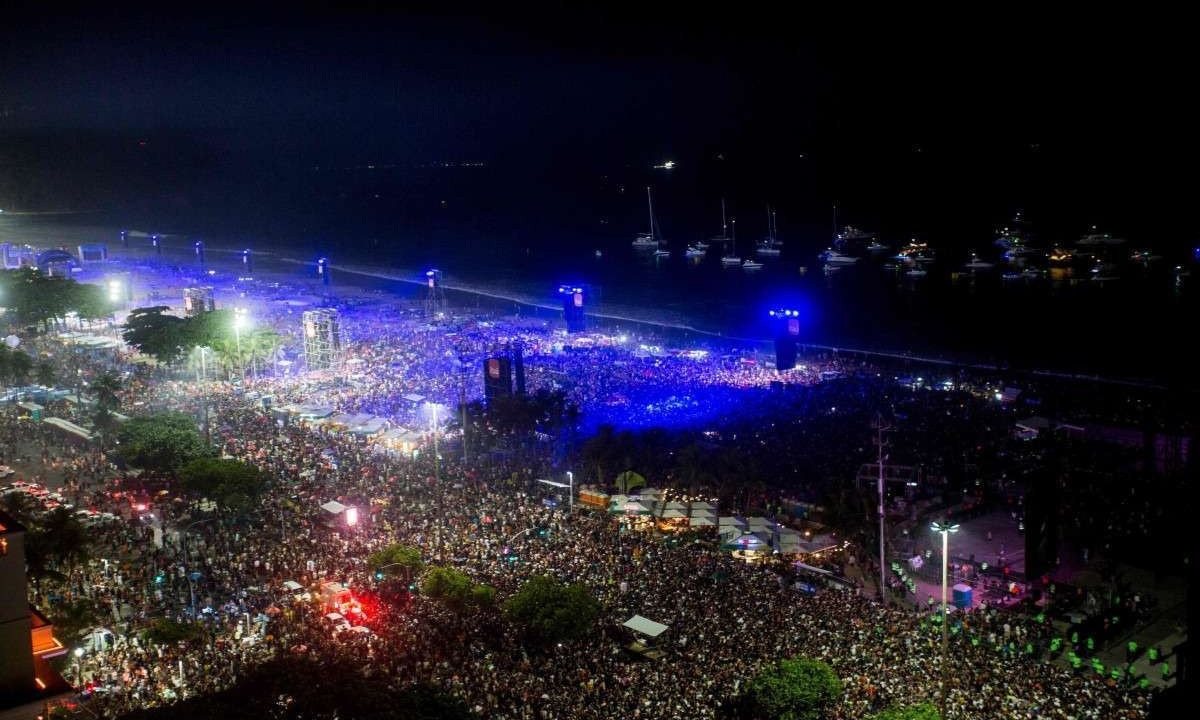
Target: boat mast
(650, 204)
(724, 225)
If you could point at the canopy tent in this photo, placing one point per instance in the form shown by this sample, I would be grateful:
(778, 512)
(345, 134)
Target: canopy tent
(618, 499)
(645, 626)
(69, 426)
(628, 480)
(759, 523)
(670, 513)
(630, 507)
(745, 541)
(704, 514)
(809, 568)
(730, 521)
(675, 506)
(308, 412)
(701, 521)
(649, 492)
(333, 507)
(701, 505)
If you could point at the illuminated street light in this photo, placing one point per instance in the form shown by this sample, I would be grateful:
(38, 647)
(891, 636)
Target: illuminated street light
(945, 529)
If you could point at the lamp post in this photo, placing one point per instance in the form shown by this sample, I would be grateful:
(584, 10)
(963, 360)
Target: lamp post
(239, 322)
(78, 667)
(571, 491)
(945, 529)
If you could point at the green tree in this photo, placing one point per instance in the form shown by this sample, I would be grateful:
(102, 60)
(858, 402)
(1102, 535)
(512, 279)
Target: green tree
(395, 559)
(19, 367)
(232, 484)
(45, 374)
(104, 388)
(164, 631)
(455, 589)
(161, 443)
(796, 689)
(155, 333)
(552, 611)
(924, 711)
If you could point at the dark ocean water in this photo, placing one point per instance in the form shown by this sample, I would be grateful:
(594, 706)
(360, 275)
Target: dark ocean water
(529, 230)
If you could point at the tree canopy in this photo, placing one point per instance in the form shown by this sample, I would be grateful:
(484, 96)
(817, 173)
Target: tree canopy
(795, 689)
(456, 589)
(37, 298)
(396, 558)
(232, 484)
(163, 442)
(553, 611)
(924, 711)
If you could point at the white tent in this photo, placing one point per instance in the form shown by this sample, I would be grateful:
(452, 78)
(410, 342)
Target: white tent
(730, 521)
(759, 523)
(645, 626)
(701, 505)
(333, 507)
(672, 513)
(676, 506)
(701, 521)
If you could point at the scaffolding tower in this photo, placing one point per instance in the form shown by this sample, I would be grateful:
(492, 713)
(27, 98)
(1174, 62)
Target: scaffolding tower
(322, 339)
(435, 297)
(198, 300)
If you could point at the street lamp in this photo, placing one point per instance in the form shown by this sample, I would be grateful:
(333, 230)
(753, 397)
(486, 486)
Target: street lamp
(240, 320)
(571, 491)
(79, 667)
(945, 529)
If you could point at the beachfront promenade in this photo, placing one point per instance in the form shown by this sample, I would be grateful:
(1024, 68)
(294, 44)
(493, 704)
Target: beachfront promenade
(721, 631)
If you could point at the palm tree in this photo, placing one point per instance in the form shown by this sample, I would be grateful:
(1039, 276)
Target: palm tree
(45, 374)
(104, 389)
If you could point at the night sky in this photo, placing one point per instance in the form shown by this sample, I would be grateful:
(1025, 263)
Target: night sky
(1084, 110)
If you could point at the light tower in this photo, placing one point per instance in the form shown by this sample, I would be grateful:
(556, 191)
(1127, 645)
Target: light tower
(435, 297)
(945, 529)
(248, 261)
(199, 246)
(787, 329)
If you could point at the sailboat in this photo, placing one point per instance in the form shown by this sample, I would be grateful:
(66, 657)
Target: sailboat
(648, 240)
(721, 239)
(731, 259)
(770, 246)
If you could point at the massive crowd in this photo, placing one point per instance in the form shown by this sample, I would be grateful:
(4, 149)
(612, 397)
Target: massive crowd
(726, 618)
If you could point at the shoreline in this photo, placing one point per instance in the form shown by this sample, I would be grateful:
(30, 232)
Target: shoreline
(178, 247)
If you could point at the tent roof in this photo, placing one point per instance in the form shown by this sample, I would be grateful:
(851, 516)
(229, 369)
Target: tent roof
(673, 513)
(676, 506)
(701, 521)
(701, 505)
(730, 520)
(645, 626)
(333, 506)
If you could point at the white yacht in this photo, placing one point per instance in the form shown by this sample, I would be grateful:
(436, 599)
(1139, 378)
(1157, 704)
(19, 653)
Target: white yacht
(833, 257)
(771, 245)
(1094, 238)
(751, 265)
(694, 250)
(876, 247)
(975, 263)
(731, 259)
